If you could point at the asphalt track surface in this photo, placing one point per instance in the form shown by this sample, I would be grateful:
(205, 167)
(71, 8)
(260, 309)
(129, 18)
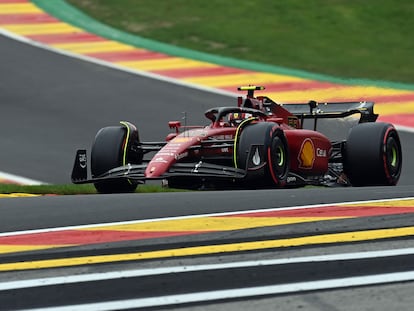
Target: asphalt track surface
(51, 105)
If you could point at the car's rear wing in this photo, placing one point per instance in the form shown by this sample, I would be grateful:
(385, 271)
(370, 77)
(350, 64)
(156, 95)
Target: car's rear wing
(315, 110)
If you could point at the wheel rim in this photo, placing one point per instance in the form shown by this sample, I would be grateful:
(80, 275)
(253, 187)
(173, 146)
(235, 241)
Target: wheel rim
(278, 158)
(392, 157)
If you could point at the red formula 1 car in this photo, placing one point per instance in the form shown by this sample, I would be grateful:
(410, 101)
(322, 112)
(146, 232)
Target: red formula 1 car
(256, 144)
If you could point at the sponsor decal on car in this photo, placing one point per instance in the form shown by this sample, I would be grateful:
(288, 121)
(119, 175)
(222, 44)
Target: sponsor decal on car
(321, 153)
(160, 160)
(196, 132)
(306, 155)
(291, 179)
(181, 139)
(181, 155)
(256, 157)
(219, 137)
(82, 160)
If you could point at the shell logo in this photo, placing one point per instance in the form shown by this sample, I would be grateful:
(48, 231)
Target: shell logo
(306, 155)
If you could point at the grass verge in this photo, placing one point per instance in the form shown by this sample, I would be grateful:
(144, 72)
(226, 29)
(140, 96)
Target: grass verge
(68, 189)
(370, 39)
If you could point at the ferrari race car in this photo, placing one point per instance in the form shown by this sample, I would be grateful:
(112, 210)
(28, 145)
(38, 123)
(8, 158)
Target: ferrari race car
(257, 143)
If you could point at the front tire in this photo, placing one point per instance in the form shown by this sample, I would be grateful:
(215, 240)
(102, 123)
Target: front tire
(373, 155)
(111, 149)
(275, 154)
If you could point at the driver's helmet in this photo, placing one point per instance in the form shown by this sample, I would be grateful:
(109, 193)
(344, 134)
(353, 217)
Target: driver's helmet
(237, 117)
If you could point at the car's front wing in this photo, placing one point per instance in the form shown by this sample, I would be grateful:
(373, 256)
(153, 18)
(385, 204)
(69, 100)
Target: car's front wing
(136, 172)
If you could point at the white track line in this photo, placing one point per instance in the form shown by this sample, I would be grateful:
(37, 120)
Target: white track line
(89, 277)
(238, 293)
(19, 179)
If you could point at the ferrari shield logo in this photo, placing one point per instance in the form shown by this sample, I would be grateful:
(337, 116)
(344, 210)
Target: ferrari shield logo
(82, 160)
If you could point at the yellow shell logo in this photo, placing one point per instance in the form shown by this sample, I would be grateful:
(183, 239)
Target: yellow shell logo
(306, 154)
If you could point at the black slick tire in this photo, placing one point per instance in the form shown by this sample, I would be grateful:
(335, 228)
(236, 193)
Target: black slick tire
(108, 153)
(274, 152)
(373, 155)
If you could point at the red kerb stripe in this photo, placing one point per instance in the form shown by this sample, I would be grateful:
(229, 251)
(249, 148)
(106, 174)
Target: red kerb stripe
(294, 86)
(77, 37)
(333, 211)
(67, 237)
(399, 119)
(200, 72)
(29, 18)
(128, 55)
(390, 98)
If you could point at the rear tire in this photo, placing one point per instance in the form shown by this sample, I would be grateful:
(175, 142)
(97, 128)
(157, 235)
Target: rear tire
(373, 155)
(275, 153)
(108, 153)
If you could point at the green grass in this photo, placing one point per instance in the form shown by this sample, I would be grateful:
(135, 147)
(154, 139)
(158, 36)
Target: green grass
(47, 189)
(370, 39)
(71, 189)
